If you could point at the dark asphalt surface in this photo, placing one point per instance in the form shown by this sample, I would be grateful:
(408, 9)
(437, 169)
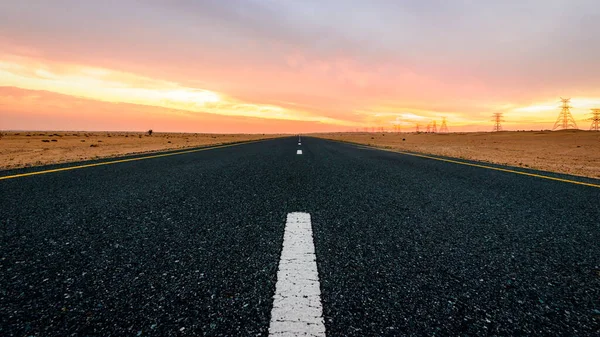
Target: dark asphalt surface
(189, 245)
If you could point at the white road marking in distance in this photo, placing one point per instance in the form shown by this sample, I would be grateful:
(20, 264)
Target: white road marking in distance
(297, 308)
(299, 144)
(299, 152)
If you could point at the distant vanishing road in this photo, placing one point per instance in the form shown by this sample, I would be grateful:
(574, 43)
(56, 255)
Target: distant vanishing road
(294, 236)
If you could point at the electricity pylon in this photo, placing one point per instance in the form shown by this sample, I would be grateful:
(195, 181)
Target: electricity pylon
(497, 121)
(565, 120)
(434, 127)
(444, 127)
(417, 127)
(595, 120)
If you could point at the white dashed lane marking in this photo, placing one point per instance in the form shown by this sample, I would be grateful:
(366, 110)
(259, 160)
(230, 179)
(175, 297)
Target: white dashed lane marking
(297, 309)
(299, 152)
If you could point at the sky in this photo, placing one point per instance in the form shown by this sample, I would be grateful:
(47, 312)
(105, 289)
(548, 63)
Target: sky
(257, 66)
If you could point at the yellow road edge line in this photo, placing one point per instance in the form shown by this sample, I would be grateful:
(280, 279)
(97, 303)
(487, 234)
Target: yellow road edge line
(69, 168)
(479, 165)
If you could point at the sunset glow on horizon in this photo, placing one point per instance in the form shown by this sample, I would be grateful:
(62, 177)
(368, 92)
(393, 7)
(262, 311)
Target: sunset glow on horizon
(267, 66)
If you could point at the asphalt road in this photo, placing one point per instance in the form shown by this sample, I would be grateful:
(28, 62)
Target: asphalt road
(190, 245)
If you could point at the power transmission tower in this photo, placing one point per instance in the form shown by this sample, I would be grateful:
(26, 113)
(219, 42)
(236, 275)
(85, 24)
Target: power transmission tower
(444, 127)
(497, 120)
(434, 127)
(565, 120)
(595, 120)
(428, 127)
(418, 128)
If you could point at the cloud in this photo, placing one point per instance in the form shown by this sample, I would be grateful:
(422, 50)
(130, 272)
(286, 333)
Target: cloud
(308, 60)
(42, 110)
(112, 86)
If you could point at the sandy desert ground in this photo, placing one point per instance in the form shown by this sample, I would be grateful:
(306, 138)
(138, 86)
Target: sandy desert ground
(35, 148)
(569, 151)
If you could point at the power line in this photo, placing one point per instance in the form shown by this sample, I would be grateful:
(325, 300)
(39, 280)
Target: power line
(565, 120)
(497, 121)
(595, 120)
(444, 127)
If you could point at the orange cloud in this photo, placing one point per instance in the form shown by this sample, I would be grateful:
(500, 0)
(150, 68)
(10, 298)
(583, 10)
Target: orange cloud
(335, 93)
(120, 87)
(42, 110)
